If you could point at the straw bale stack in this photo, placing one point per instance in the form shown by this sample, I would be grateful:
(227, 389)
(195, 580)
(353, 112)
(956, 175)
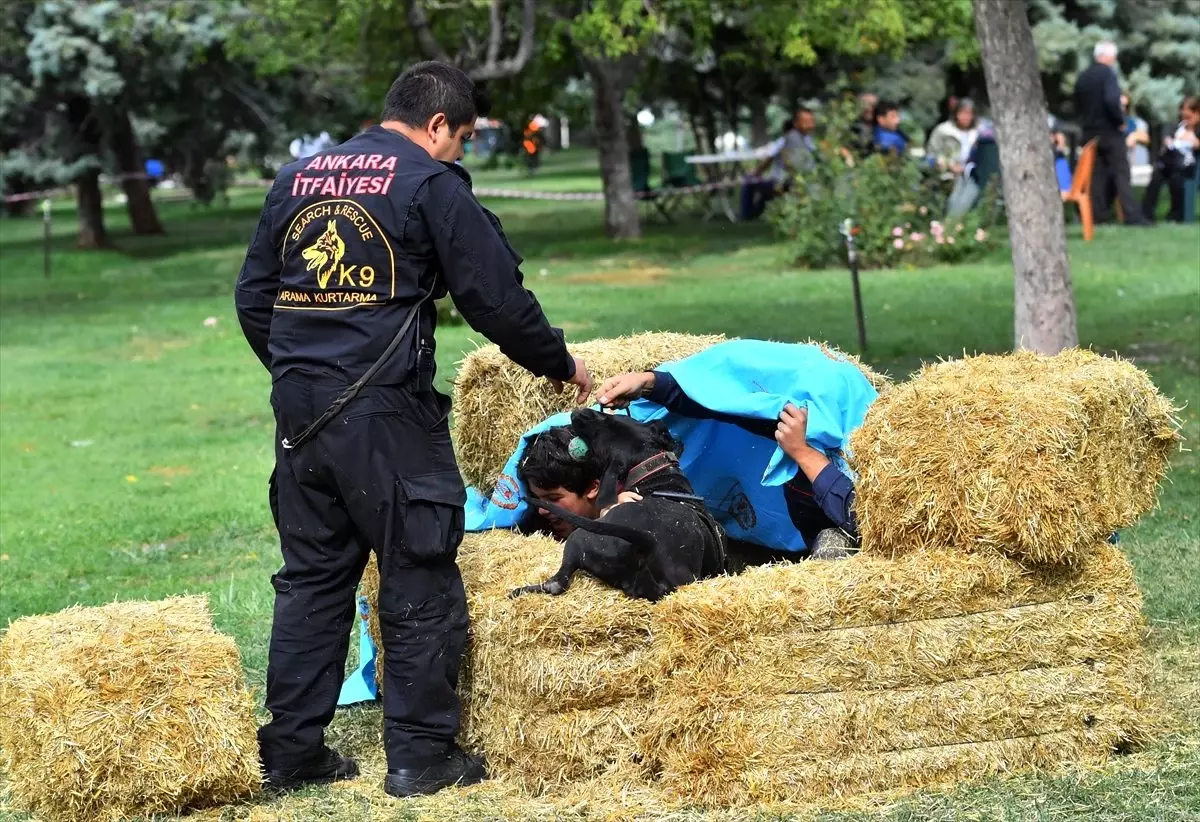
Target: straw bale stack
(801, 682)
(127, 709)
(496, 401)
(897, 673)
(1032, 456)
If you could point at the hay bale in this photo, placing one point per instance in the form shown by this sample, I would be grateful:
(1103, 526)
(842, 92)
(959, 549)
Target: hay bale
(1036, 457)
(496, 401)
(585, 649)
(127, 709)
(922, 618)
(799, 747)
(795, 682)
(550, 752)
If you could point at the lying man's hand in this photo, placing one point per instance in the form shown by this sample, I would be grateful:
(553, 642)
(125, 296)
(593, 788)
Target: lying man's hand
(619, 391)
(623, 497)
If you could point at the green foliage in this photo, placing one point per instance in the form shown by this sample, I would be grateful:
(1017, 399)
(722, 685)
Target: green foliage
(896, 205)
(1159, 42)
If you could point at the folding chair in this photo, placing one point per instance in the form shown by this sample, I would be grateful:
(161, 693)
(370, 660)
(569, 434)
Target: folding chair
(639, 171)
(677, 172)
(1081, 188)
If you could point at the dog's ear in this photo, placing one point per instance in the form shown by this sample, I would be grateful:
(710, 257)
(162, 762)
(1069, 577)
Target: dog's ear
(664, 439)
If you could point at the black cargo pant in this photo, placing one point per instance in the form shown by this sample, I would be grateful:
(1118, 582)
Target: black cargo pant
(1112, 169)
(379, 477)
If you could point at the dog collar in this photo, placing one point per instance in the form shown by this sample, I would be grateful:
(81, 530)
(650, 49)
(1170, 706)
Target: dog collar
(647, 468)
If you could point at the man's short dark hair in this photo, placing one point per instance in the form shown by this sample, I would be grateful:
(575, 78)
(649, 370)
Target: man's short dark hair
(884, 108)
(547, 463)
(430, 88)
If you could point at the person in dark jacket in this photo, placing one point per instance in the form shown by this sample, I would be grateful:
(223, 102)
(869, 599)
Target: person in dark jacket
(354, 245)
(819, 499)
(1098, 105)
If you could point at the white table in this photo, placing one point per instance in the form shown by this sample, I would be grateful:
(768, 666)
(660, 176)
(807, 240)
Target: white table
(725, 170)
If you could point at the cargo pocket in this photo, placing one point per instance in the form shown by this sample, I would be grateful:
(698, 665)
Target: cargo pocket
(433, 517)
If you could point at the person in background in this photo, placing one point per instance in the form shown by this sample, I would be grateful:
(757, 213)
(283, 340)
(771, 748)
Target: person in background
(796, 155)
(950, 144)
(1176, 163)
(531, 144)
(1137, 134)
(864, 129)
(1062, 166)
(1098, 104)
(887, 137)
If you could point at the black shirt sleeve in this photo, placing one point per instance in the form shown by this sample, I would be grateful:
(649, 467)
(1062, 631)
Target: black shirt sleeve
(258, 286)
(669, 395)
(482, 273)
(1112, 99)
(834, 493)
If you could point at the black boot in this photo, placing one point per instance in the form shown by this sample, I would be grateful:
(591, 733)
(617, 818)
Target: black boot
(329, 766)
(458, 768)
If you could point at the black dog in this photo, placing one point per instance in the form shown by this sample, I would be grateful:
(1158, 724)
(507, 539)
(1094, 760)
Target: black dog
(649, 548)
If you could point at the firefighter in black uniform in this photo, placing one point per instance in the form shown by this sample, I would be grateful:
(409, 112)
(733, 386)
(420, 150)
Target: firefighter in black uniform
(336, 299)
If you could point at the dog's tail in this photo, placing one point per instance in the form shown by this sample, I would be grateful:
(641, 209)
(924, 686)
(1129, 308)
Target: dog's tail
(641, 540)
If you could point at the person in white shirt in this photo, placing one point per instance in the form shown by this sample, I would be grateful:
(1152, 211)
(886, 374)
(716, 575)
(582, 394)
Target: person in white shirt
(1176, 163)
(950, 144)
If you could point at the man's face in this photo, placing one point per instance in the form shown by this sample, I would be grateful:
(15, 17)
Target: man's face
(805, 122)
(891, 120)
(583, 505)
(965, 118)
(1125, 103)
(868, 103)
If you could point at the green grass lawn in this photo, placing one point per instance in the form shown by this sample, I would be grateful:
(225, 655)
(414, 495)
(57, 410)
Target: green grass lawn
(135, 440)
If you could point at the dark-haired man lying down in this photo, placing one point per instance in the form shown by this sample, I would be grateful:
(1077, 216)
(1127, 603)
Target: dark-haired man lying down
(820, 498)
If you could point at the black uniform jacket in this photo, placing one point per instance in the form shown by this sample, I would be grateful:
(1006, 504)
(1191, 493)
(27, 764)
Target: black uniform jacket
(350, 239)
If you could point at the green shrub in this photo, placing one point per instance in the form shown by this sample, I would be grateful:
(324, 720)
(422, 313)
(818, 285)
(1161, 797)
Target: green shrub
(896, 206)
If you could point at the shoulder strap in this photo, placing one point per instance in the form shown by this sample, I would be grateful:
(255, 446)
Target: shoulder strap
(350, 393)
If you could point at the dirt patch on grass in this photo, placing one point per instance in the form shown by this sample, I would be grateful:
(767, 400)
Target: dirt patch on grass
(631, 275)
(149, 349)
(171, 471)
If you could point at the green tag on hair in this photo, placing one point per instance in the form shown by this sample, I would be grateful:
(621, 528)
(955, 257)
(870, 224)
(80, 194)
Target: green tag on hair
(578, 449)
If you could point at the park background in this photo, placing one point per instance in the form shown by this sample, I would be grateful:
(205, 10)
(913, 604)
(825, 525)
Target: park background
(135, 433)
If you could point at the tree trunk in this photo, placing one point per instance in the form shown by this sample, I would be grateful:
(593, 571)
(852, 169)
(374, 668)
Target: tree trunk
(90, 206)
(1044, 302)
(760, 129)
(142, 214)
(620, 207)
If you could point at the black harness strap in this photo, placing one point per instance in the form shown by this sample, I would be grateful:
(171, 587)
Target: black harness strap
(350, 393)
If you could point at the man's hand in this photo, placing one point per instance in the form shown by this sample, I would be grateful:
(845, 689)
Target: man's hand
(791, 433)
(582, 380)
(619, 391)
(623, 497)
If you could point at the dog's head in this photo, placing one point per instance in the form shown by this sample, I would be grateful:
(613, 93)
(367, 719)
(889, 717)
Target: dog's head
(617, 442)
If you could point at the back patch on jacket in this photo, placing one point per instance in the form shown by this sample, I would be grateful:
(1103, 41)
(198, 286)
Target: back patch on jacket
(335, 257)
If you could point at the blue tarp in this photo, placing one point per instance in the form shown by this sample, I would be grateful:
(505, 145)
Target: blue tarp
(737, 473)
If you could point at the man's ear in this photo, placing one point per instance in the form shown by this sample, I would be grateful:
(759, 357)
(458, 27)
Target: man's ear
(593, 491)
(435, 124)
